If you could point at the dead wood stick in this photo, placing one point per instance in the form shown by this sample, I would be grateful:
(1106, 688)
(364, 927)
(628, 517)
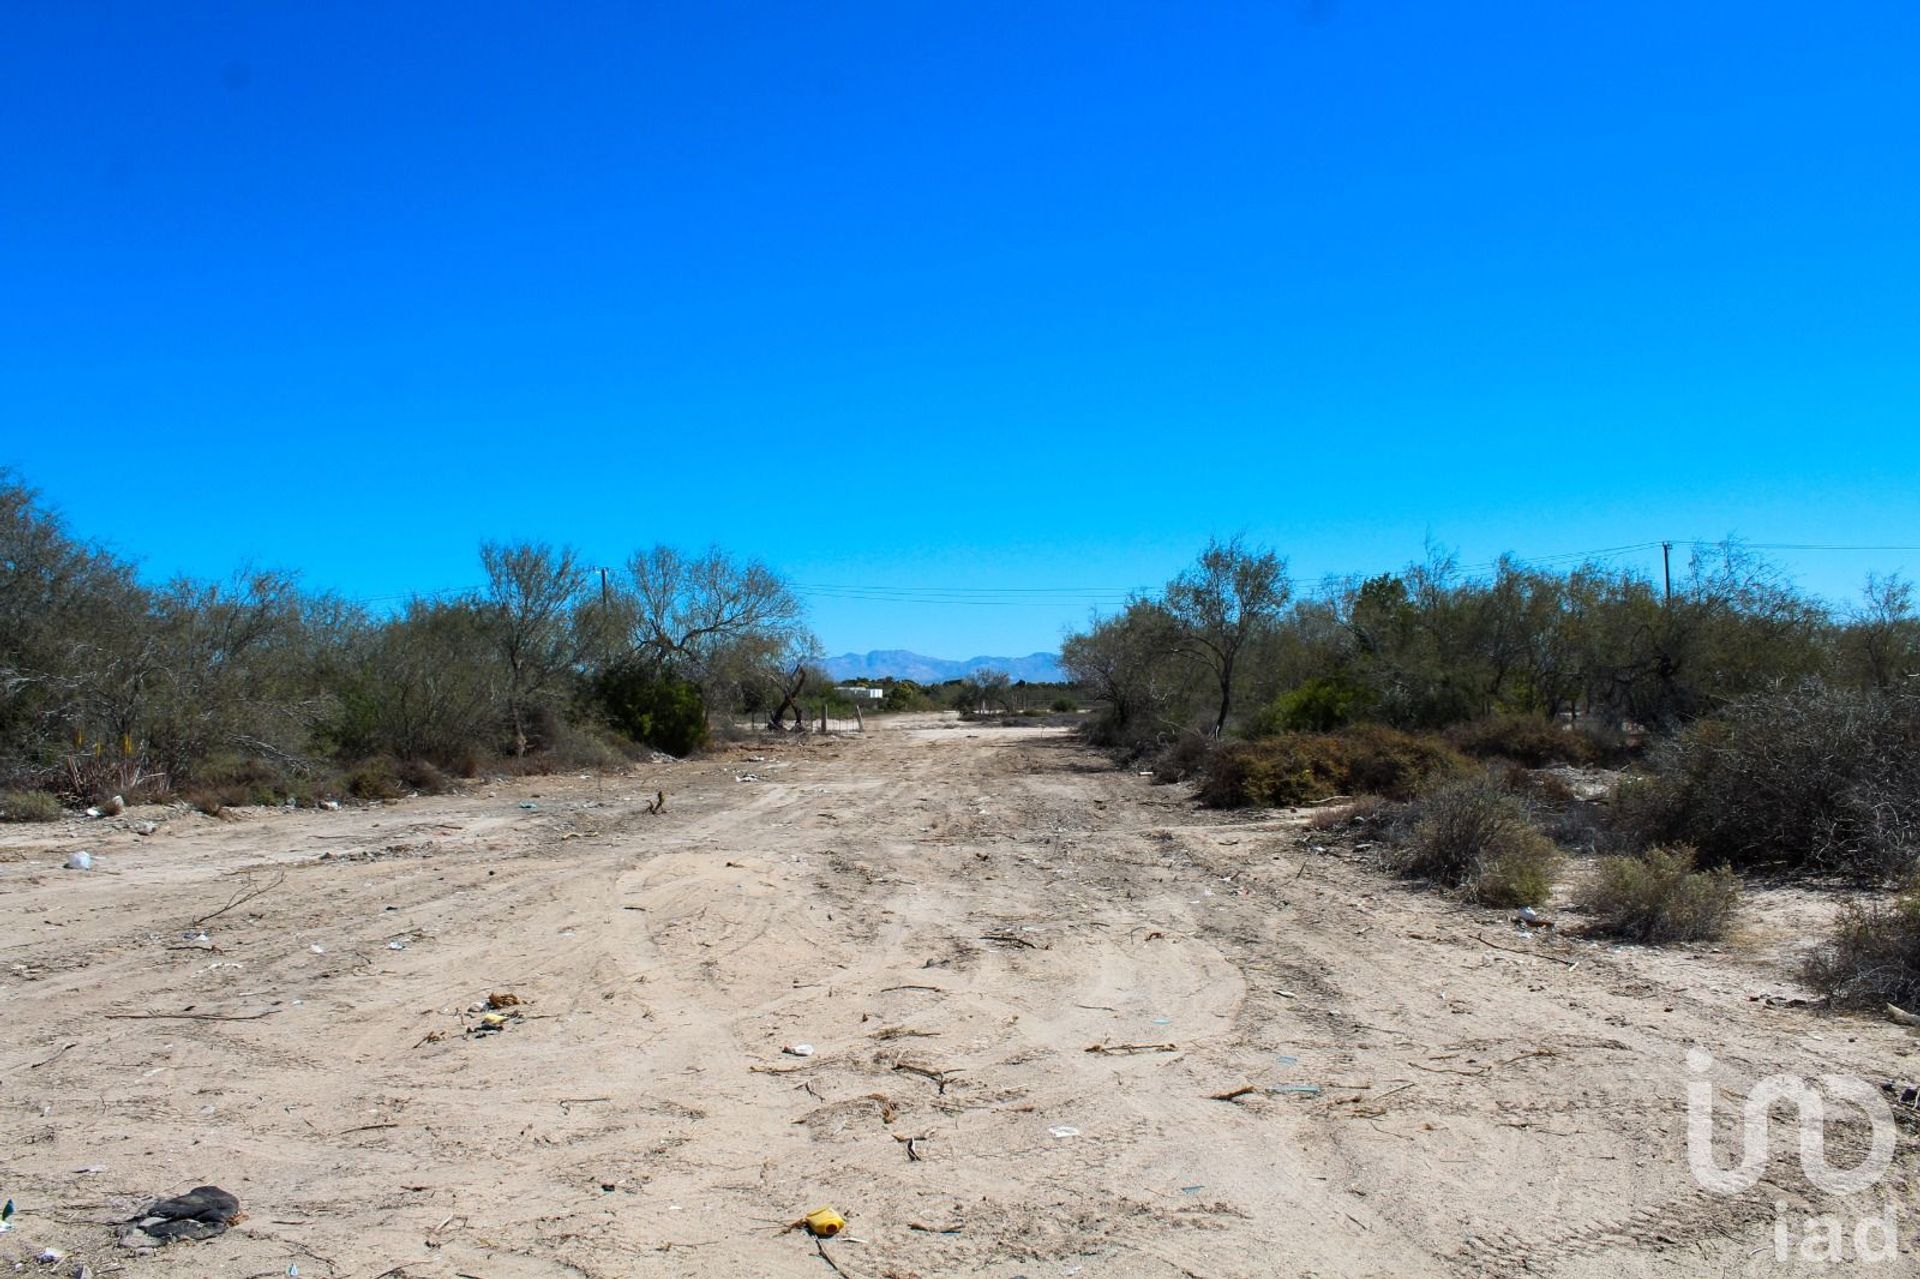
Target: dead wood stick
(1515, 950)
(245, 895)
(192, 1017)
(938, 990)
(1245, 1090)
(365, 1128)
(1447, 1070)
(820, 1247)
(1133, 1048)
(1009, 939)
(56, 1056)
(937, 1077)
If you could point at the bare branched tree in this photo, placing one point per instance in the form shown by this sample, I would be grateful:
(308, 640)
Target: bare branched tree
(711, 619)
(531, 588)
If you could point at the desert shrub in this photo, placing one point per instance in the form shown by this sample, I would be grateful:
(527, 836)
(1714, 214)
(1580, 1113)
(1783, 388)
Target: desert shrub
(1532, 740)
(1536, 785)
(1810, 778)
(1469, 833)
(373, 780)
(1386, 761)
(1361, 810)
(667, 714)
(232, 781)
(1185, 756)
(1304, 768)
(28, 806)
(1064, 706)
(205, 801)
(1658, 896)
(1872, 957)
(386, 778)
(422, 776)
(1319, 705)
(589, 745)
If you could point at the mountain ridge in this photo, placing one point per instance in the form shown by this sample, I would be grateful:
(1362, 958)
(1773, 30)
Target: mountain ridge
(900, 663)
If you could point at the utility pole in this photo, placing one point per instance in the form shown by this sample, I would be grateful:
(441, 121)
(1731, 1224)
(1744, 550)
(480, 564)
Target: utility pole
(603, 588)
(1666, 567)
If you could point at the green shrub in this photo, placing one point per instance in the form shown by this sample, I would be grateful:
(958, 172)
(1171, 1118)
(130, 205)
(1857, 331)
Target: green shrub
(1064, 706)
(1319, 705)
(1470, 834)
(659, 710)
(1659, 897)
(1305, 768)
(28, 806)
(1873, 956)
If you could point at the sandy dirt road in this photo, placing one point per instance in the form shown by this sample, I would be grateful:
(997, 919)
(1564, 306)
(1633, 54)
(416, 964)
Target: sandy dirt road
(952, 917)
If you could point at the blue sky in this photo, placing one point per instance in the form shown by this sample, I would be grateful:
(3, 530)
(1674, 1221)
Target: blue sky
(961, 298)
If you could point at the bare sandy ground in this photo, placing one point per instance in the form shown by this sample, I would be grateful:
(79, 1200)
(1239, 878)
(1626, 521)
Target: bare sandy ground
(952, 917)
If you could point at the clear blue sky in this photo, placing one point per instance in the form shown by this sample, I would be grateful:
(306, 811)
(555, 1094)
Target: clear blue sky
(979, 295)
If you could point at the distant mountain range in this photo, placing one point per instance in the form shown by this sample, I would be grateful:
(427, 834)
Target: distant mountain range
(1035, 668)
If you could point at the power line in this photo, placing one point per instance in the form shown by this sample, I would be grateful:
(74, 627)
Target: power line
(1116, 596)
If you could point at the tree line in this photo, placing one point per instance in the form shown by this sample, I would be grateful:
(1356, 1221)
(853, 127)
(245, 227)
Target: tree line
(1230, 643)
(110, 684)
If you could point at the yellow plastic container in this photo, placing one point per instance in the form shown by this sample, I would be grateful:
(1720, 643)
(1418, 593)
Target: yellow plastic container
(825, 1223)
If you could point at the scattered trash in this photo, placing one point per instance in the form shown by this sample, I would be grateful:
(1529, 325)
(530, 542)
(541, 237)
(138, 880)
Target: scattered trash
(49, 1256)
(145, 828)
(317, 949)
(530, 806)
(1163, 1021)
(1528, 917)
(798, 1050)
(112, 808)
(80, 861)
(493, 1023)
(1905, 1094)
(1192, 1190)
(6, 1216)
(824, 1223)
(1063, 1131)
(1255, 1090)
(1285, 1060)
(504, 999)
(332, 806)
(747, 777)
(202, 1213)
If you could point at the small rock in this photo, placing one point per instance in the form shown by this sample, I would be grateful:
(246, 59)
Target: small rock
(145, 828)
(80, 861)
